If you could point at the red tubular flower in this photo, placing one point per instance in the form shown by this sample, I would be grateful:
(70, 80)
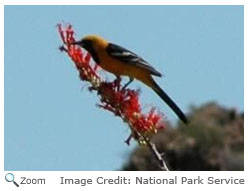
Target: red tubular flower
(121, 102)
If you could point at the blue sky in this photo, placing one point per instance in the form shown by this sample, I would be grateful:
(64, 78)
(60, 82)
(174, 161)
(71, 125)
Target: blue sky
(51, 124)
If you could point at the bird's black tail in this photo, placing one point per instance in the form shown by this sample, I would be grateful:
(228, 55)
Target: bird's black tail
(169, 101)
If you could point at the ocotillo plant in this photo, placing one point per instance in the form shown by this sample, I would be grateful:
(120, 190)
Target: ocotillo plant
(122, 102)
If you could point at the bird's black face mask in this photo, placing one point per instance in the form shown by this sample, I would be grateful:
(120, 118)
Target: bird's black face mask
(87, 45)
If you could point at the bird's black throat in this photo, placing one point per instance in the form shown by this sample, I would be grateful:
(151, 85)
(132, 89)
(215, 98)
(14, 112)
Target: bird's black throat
(86, 44)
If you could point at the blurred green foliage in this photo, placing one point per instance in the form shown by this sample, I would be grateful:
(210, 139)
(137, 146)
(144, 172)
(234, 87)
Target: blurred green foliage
(214, 140)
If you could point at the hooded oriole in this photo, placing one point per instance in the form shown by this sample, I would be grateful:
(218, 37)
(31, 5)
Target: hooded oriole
(122, 62)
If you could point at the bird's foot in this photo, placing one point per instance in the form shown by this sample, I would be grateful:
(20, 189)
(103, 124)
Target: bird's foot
(126, 85)
(117, 82)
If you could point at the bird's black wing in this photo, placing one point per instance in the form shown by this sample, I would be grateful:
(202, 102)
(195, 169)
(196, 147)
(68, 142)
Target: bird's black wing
(129, 57)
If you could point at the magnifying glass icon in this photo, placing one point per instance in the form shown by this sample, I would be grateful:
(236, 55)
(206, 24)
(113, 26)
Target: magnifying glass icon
(10, 178)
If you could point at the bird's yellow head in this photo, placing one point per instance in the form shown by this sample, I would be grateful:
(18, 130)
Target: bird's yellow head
(93, 38)
(91, 42)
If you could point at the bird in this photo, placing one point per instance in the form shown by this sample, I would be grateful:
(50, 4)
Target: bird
(122, 62)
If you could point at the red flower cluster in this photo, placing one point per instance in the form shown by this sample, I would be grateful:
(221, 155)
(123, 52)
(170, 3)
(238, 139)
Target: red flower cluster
(123, 102)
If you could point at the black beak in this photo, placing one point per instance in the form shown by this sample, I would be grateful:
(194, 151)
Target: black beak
(80, 43)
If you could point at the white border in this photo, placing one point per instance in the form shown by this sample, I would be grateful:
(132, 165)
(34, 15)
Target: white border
(126, 2)
(54, 175)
